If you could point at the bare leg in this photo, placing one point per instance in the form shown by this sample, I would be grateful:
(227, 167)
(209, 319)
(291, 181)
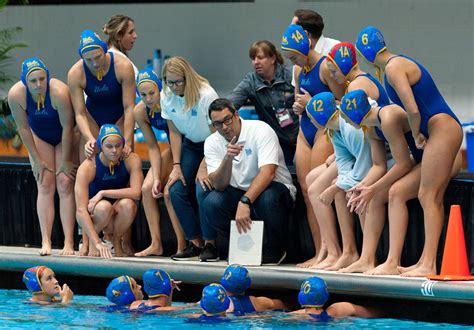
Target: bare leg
(445, 139)
(101, 217)
(125, 212)
(346, 224)
(399, 194)
(46, 190)
(153, 217)
(313, 224)
(67, 205)
(326, 216)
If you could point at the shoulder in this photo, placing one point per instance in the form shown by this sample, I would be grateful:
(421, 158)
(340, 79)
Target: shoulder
(57, 88)
(133, 160)
(139, 110)
(122, 62)
(213, 140)
(76, 69)
(86, 170)
(17, 92)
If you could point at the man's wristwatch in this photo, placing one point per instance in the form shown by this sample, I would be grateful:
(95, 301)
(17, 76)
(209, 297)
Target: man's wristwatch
(244, 199)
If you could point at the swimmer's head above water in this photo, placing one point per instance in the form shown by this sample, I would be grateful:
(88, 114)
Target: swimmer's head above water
(123, 290)
(313, 293)
(214, 299)
(236, 279)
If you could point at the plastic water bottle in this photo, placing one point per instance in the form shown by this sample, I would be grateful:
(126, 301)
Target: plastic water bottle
(149, 64)
(157, 62)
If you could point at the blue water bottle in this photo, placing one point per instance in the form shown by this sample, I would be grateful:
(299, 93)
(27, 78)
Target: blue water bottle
(157, 62)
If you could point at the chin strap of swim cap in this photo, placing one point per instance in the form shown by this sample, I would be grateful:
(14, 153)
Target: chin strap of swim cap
(40, 102)
(153, 110)
(100, 74)
(111, 167)
(379, 73)
(329, 133)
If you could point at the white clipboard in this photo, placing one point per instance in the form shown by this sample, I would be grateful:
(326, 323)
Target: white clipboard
(246, 248)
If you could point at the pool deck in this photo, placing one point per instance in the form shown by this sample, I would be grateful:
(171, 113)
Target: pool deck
(263, 277)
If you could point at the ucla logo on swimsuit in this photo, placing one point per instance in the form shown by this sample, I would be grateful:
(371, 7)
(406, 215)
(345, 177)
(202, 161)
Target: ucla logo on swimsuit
(305, 82)
(102, 89)
(108, 177)
(284, 41)
(42, 112)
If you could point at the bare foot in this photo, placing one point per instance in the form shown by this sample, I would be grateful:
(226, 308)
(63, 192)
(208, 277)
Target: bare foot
(387, 268)
(150, 251)
(322, 254)
(68, 250)
(402, 270)
(84, 250)
(308, 263)
(118, 249)
(328, 262)
(344, 261)
(93, 252)
(128, 249)
(360, 266)
(420, 271)
(45, 249)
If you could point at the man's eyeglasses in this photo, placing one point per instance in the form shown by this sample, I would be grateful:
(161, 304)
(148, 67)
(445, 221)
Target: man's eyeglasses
(227, 121)
(177, 83)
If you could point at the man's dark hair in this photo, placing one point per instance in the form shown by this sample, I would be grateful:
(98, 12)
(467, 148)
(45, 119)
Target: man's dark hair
(310, 21)
(220, 104)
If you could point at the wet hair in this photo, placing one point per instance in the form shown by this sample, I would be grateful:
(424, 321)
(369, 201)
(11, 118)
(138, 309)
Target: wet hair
(220, 104)
(115, 29)
(311, 21)
(193, 81)
(267, 48)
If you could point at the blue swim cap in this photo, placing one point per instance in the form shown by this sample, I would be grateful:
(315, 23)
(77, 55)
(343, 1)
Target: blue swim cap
(90, 40)
(120, 291)
(107, 130)
(214, 299)
(295, 39)
(322, 108)
(157, 283)
(343, 56)
(32, 64)
(355, 105)
(236, 279)
(370, 43)
(148, 75)
(313, 292)
(31, 278)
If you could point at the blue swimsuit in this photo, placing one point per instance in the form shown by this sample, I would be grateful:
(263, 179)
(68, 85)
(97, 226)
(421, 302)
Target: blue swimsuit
(242, 305)
(158, 122)
(323, 317)
(427, 97)
(104, 98)
(416, 153)
(45, 121)
(311, 82)
(104, 180)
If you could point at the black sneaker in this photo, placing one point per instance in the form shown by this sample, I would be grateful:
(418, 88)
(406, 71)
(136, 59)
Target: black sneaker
(209, 253)
(190, 253)
(273, 260)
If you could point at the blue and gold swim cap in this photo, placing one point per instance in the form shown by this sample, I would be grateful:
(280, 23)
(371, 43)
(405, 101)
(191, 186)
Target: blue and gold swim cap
(90, 40)
(236, 279)
(148, 75)
(31, 278)
(120, 291)
(296, 40)
(370, 43)
(157, 283)
(355, 105)
(313, 292)
(214, 299)
(30, 65)
(343, 56)
(322, 108)
(107, 130)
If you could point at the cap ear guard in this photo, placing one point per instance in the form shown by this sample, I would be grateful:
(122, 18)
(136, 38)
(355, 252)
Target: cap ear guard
(214, 299)
(236, 279)
(157, 283)
(30, 65)
(322, 108)
(295, 39)
(120, 291)
(90, 40)
(370, 42)
(313, 292)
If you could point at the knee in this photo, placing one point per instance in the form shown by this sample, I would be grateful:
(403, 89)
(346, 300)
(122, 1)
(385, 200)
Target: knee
(103, 210)
(146, 189)
(65, 185)
(429, 197)
(126, 207)
(177, 189)
(313, 190)
(46, 187)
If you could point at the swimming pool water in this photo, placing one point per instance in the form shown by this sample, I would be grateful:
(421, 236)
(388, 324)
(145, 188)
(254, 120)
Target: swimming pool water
(88, 312)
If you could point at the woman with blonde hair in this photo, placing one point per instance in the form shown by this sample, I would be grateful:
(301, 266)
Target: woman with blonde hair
(185, 101)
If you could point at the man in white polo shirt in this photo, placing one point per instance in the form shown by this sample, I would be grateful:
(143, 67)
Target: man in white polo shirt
(251, 181)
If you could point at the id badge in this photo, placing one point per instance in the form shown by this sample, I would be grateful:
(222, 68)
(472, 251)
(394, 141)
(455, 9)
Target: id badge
(284, 117)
